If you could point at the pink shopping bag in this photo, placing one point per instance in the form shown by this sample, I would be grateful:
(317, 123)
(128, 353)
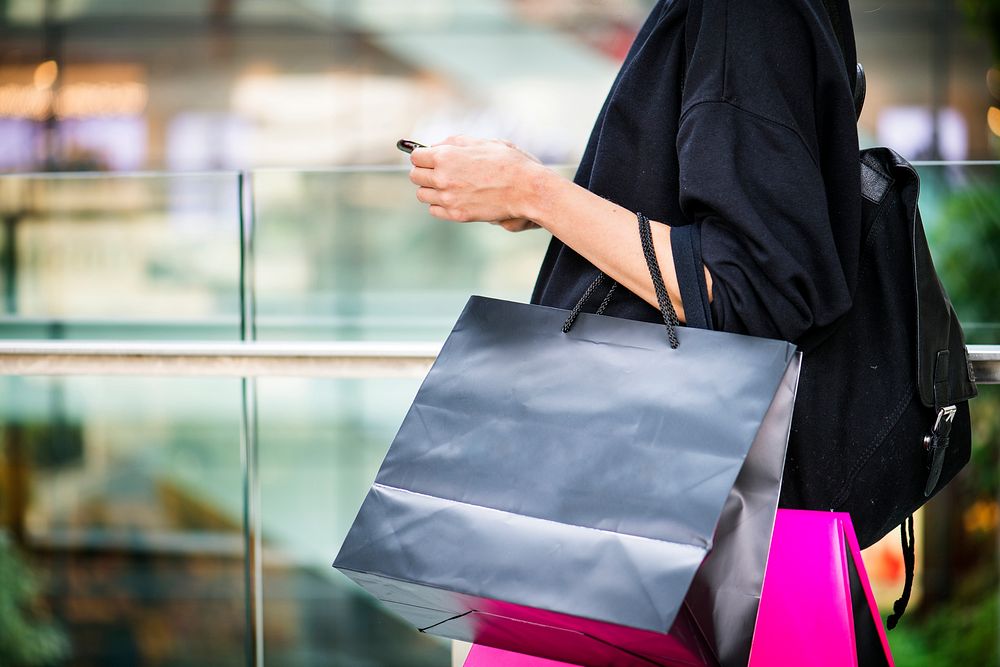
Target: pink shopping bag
(487, 656)
(816, 607)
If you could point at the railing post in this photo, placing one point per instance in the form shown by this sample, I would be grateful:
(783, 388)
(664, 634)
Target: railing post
(249, 457)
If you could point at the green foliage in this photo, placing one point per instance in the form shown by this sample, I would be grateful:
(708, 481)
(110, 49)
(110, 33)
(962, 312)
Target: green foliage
(984, 16)
(966, 245)
(962, 633)
(983, 477)
(26, 637)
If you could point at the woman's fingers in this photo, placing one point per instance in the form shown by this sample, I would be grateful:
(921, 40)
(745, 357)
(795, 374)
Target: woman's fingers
(442, 206)
(468, 179)
(422, 176)
(429, 196)
(448, 214)
(423, 157)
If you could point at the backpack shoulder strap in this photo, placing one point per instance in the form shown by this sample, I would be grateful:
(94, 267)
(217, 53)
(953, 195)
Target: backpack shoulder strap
(855, 72)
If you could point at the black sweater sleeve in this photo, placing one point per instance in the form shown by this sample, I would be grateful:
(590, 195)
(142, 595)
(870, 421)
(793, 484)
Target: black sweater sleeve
(766, 171)
(765, 233)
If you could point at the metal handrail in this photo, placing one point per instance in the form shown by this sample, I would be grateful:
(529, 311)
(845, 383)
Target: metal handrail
(356, 359)
(985, 363)
(217, 359)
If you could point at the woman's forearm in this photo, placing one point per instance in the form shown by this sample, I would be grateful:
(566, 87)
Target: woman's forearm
(465, 179)
(604, 233)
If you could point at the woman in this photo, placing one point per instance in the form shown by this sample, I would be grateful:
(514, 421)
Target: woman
(732, 124)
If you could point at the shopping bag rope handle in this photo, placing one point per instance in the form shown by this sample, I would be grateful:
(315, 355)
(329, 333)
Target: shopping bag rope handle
(670, 318)
(578, 308)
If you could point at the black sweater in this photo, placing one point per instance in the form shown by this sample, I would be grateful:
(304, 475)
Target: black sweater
(733, 122)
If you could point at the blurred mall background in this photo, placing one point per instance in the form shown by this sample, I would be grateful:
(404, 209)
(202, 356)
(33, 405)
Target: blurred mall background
(226, 170)
(117, 85)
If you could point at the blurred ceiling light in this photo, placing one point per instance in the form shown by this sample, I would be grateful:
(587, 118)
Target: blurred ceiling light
(46, 74)
(101, 99)
(296, 98)
(260, 69)
(993, 120)
(76, 100)
(24, 102)
(993, 81)
(909, 130)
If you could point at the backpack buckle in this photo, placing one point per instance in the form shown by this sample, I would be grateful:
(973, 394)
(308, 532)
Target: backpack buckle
(936, 443)
(945, 416)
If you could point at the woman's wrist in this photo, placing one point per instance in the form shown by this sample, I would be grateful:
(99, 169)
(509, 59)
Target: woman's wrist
(543, 187)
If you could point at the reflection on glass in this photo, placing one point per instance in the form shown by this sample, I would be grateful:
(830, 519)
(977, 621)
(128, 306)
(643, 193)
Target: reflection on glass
(120, 257)
(352, 255)
(321, 443)
(120, 498)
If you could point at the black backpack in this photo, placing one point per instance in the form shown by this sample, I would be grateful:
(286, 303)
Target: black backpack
(879, 436)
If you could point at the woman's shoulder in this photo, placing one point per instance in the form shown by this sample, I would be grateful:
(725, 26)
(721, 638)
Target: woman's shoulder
(768, 57)
(775, 34)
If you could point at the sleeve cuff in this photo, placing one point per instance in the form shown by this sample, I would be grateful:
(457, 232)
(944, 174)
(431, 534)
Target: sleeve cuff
(685, 242)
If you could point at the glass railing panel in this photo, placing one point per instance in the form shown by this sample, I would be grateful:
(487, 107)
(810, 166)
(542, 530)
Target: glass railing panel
(960, 205)
(121, 534)
(339, 255)
(120, 256)
(320, 444)
(346, 254)
(352, 255)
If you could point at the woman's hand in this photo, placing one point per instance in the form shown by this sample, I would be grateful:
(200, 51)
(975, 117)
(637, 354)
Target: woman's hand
(464, 179)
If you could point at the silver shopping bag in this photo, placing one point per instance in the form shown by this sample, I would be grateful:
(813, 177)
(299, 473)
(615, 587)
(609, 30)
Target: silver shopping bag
(594, 497)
